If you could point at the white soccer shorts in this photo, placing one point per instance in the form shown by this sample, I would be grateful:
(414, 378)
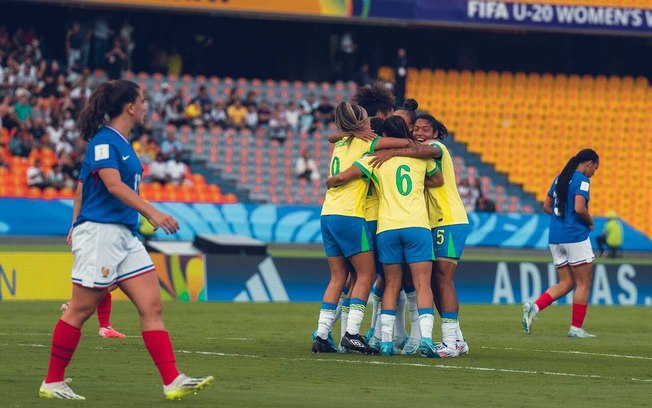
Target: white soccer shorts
(573, 253)
(106, 254)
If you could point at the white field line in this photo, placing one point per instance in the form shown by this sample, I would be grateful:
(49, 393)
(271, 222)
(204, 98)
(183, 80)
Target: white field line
(583, 353)
(138, 334)
(388, 363)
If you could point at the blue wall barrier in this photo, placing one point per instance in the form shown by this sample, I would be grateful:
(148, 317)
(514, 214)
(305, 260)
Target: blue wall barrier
(244, 278)
(284, 224)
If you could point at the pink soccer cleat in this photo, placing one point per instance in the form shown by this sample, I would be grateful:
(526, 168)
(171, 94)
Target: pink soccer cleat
(110, 333)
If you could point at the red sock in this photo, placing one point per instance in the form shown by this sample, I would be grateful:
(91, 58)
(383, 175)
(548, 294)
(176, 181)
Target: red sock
(544, 301)
(104, 310)
(579, 312)
(160, 348)
(64, 342)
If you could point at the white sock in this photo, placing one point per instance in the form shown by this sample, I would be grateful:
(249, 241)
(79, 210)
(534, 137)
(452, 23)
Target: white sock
(326, 318)
(460, 336)
(344, 319)
(399, 324)
(413, 312)
(449, 334)
(376, 296)
(387, 322)
(356, 314)
(426, 323)
(378, 331)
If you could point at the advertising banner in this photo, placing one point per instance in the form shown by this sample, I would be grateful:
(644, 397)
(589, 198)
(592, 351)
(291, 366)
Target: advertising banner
(46, 276)
(263, 279)
(286, 224)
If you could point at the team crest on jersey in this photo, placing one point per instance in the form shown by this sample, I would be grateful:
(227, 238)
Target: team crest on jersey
(105, 271)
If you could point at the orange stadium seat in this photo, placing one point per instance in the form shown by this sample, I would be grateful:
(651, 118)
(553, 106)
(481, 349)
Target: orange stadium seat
(528, 125)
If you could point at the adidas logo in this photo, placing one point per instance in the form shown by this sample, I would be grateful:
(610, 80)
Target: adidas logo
(264, 286)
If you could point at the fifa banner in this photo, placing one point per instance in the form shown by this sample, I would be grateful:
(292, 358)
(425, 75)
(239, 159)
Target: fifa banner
(286, 224)
(46, 276)
(508, 14)
(263, 279)
(333, 8)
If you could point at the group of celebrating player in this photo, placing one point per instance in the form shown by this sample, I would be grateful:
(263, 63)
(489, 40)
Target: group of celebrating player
(391, 211)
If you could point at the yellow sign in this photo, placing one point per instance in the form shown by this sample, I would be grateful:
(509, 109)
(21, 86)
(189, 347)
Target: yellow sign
(47, 276)
(333, 8)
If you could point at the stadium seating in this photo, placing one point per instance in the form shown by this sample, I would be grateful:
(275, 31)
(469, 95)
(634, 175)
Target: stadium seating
(529, 125)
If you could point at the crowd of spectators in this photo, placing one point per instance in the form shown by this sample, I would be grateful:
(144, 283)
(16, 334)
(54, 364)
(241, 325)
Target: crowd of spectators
(473, 198)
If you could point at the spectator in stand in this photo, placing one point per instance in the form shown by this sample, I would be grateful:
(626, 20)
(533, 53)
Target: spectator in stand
(21, 144)
(485, 204)
(81, 92)
(35, 177)
(56, 178)
(364, 76)
(63, 147)
(22, 108)
(192, 113)
(127, 38)
(401, 75)
(176, 171)
(325, 111)
(174, 63)
(101, 35)
(306, 167)
(116, 60)
(174, 112)
(3, 163)
(292, 115)
(74, 40)
(278, 125)
(70, 170)
(202, 97)
(264, 113)
(251, 99)
(170, 147)
(251, 121)
(161, 97)
(69, 126)
(467, 195)
(158, 170)
(218, 114)
(236, 114)
(54, 130)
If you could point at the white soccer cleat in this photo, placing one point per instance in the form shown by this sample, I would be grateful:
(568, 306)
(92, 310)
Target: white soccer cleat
(529, 316)
(411, 346)
(444, 351)
(58, 390)
(579, 333)
(462, 347)
(184, 385)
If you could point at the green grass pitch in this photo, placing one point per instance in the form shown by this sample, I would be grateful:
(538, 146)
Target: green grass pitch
(260, 356)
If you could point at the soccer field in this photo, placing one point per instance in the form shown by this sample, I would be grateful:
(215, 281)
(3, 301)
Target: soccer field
(260, 355)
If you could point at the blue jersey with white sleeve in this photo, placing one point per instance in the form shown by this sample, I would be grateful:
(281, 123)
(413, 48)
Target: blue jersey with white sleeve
(570, 228)
(108, 149)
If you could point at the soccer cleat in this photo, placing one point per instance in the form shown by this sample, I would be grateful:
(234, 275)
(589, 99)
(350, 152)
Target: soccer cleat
(399, 342)
(375, 344)
(58, 390)
(110, 333)
(370, 334)
(330, 338)
(387, 348)
(320, 345)
(462, 347)
(184, 385)
(357, 344)
(443, 351)
(411, 346)
(579, 333)
(427, 348)
(529, 316)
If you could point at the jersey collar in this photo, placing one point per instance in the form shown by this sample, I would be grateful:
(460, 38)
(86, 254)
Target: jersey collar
(119, 134)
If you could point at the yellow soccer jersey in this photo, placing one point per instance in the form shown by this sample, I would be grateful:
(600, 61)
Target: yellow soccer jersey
(444, 203)
(371, 204)
(348, 199)
(400, 183)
